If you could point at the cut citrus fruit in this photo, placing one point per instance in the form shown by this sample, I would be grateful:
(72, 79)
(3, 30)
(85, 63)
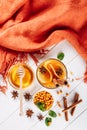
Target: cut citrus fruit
(49, 70)
(44, 77)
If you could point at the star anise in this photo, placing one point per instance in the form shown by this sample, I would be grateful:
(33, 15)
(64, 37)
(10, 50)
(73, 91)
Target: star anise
(43, 69)
(59, 71)
(29, 113)
(27, 96)
(40, 117)
(14, 94)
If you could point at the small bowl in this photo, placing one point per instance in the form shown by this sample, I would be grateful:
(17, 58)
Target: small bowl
(48, 70)
(14, 79)
(43, 100)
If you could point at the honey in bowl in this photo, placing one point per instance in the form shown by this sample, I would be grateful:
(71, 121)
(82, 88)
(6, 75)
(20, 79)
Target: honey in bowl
(51, 70)
(14, 79)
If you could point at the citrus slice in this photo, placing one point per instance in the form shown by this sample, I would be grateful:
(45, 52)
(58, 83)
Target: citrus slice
(54, 71)
(45, 75)
(56, 68)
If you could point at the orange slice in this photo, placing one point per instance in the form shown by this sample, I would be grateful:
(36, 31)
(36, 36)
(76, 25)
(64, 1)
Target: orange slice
(54, 66)
(44, 77)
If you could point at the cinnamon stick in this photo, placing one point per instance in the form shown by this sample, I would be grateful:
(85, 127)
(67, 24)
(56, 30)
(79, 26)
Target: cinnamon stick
(55, 82)
(60, 81)
(65, 106)
(72, 106)
(76, 98)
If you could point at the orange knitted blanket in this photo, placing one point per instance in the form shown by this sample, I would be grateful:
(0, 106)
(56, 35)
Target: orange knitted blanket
(30, 25)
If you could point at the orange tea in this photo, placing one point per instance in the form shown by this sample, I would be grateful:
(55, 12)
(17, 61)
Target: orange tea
(51, 71)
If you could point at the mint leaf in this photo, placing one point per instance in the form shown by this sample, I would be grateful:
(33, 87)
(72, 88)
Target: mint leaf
(60, 56)
(48, 121)
(41, 106)
(52, 113)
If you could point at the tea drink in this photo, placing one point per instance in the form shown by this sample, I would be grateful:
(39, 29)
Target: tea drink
(49, 70)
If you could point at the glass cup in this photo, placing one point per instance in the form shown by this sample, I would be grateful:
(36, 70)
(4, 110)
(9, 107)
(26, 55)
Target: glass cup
(50, 72)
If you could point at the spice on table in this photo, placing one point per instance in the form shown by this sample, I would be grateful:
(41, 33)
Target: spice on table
(27, 96)
(52, 113)
(29, 113)
(68, 85)
(48, 121)
(60, 56)
(59, 114)
(59, 104)
(58, 92)
(61, 91)
(67, 94)
(72, 106)
(72, 80)
(76, 98)
(14, 94)
(40, 117)
(65, 106)
(71, 72)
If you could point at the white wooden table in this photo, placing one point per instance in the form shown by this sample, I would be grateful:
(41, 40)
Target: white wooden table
(9, 108)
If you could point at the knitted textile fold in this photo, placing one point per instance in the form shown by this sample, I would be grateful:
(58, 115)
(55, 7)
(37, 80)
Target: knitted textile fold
(31, 25)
